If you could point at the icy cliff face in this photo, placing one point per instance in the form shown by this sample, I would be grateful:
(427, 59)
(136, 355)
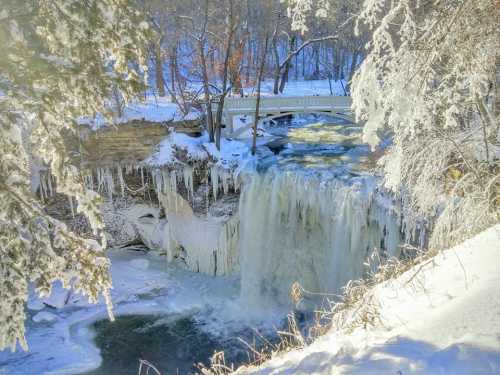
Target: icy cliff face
(207, 244)
(299, 221)
(311, 229)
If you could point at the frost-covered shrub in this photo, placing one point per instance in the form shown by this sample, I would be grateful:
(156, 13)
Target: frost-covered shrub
(430, 81)
(61, 59)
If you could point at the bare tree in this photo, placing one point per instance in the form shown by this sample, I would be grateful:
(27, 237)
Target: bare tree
(200, 37)
(257, 102)
(230, 30)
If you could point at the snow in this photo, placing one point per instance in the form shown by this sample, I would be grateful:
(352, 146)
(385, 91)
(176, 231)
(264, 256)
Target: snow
(166, 150)
(140, 264)
(301, 88)
(438, 318)
(151, 109)
(190, 144)
(44, 316)
(65, 346)
(58, 298)
(35, 305)
(232, 153)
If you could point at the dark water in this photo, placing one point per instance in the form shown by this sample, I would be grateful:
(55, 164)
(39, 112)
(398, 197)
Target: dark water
(172, 343)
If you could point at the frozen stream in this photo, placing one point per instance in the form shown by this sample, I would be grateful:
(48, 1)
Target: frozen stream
(309, 215)
(150, 297)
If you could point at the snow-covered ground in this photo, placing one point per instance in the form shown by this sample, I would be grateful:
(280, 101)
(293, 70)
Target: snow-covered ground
(59, 337)
(232, 153)
(440, 318)
(152, 109)
(302, 88)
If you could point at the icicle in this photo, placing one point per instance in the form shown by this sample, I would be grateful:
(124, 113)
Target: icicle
(173, 187)
(89, 181)
(110, 185)
(165, 180)
(71, 206)
(100, 180)
(143, 185)
(129, 169)
(207, 194)
(42, 188)
(214, 177)
(121, 180)
(226, 181)
(49, 184)
(188, 181)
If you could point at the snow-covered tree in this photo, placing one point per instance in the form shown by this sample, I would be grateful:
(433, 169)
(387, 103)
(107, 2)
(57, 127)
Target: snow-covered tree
(430, 81)
(300, 10)
(61, 59)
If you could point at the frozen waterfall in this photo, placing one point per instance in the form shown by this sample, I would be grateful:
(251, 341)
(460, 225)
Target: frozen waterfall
(308, 228)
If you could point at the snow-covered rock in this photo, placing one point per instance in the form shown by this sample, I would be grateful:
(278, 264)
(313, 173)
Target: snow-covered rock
(166, 151)
(58, 297)
(44, 316)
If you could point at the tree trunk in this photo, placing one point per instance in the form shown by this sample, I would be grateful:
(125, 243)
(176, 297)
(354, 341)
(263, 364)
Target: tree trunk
(257, 104)
(235, 66)
(296, 64)
(286, 69)
(206, 90)
(277, 67)
(316, 61)
(220, 107)
(173, 67)
(160, 81)
(352, 69)
(303, 64)
(249, 62)
(201, 40)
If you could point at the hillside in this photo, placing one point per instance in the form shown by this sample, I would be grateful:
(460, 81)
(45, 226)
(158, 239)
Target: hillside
(440, 318)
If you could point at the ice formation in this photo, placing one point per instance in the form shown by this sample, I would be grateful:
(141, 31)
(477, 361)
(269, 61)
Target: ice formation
(307, 228)
(311, 227)
(206, 244)
(203, 242)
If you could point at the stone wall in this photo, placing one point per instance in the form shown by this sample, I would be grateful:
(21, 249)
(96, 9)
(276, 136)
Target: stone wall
(126, 143)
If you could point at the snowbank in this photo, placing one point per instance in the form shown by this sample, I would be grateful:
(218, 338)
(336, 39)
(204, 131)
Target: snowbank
(151, 109)
(232, 153)
(440, 318)
(165, 153)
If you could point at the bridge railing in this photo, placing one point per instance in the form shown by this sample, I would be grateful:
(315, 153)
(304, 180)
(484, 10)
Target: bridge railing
(284, 102)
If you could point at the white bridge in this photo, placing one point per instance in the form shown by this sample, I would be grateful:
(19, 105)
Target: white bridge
(278, 106)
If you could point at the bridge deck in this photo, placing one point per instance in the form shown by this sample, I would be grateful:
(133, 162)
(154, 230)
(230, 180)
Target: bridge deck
(276, 105)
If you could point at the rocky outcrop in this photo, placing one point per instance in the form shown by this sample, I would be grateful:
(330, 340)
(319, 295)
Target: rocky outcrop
(127, 143)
